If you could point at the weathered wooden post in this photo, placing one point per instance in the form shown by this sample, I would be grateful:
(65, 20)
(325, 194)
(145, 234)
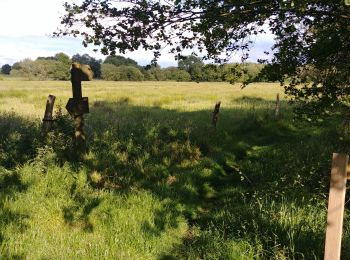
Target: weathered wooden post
(336, 205)
(48, 120)
(216, 113)
(277, 106)
(79, 105)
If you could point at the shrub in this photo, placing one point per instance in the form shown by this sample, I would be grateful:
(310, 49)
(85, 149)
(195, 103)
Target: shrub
(173, 73)
(41, 69)
(6, 69)
(128, 73)
(109, 72)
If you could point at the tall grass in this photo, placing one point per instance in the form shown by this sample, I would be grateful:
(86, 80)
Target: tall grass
(158, 181)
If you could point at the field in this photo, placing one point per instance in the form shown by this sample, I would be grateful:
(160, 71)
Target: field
(158, 180)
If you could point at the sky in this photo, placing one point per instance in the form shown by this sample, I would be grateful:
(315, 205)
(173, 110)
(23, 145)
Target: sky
(27, 26)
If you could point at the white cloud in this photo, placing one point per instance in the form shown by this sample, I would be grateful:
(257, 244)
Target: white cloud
(17, 48)
(29, 17)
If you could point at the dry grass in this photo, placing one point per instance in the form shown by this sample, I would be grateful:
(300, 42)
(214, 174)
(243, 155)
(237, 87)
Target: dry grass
(182, 96)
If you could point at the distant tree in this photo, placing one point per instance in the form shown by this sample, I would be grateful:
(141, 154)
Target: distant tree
(121, 73)
(24, 68)
(6, 69)
(131, 73)
(16, 65)
(63, 58)
(154, 72)
(46, 58)
(147, 74)
(41, 69)
(118, 60)
(188, 62)
(58, 67)
(62, 67)
(61, 71)
(211, 72)
(109, 72)
(173, 73)
(87, 59)
(193, 65)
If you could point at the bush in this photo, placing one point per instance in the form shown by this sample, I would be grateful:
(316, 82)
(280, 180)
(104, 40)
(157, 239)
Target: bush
(42, 69)
(173, 73)
(109, 72)
(127, 73)
(6, 69)
(130, 73)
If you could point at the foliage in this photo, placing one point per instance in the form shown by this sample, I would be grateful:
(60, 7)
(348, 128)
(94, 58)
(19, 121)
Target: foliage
(212, 72)
(154, 72)
(23, 69)
(130, 73)
(109, 72)
(63, 58)
(6, 69)
(17, 66)
(118, 60)
(57, 68)
(120, 73)
(193, 65)
(307, 33)
(173, 73)
(95, 64)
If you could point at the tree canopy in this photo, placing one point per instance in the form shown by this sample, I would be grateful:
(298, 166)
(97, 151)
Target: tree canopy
(6, 69)
(94, 64)
(310, 36)
(118, 60)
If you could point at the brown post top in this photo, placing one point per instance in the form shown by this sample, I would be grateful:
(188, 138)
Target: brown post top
(76, 77)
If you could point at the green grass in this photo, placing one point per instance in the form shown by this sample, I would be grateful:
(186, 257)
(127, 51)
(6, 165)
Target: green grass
(158, 181)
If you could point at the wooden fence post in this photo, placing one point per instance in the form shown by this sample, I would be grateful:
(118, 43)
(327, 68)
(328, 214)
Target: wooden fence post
(48, 120)
(216, 113)
(336, 205)
(79, 105)
(76, 77)
(277, 107)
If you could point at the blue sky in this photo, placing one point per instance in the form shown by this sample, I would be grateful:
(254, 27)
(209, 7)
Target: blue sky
(27, 26)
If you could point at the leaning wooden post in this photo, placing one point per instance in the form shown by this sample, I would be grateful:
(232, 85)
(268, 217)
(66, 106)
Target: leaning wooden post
(336, 205)
(79, 105)
(48, 120)
(277, 107)
(77, 96)
(216, 113)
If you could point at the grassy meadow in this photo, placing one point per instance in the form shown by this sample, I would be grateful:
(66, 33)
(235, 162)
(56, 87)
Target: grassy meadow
(158, 180)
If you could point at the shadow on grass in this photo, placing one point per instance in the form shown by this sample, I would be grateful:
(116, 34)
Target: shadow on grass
(17, 140)
(78, 213)
(216, 179)
(16, 147)
(74, 216)
(10, 186)
(189, 165)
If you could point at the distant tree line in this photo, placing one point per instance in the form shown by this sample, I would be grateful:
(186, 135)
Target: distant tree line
(119, 68)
